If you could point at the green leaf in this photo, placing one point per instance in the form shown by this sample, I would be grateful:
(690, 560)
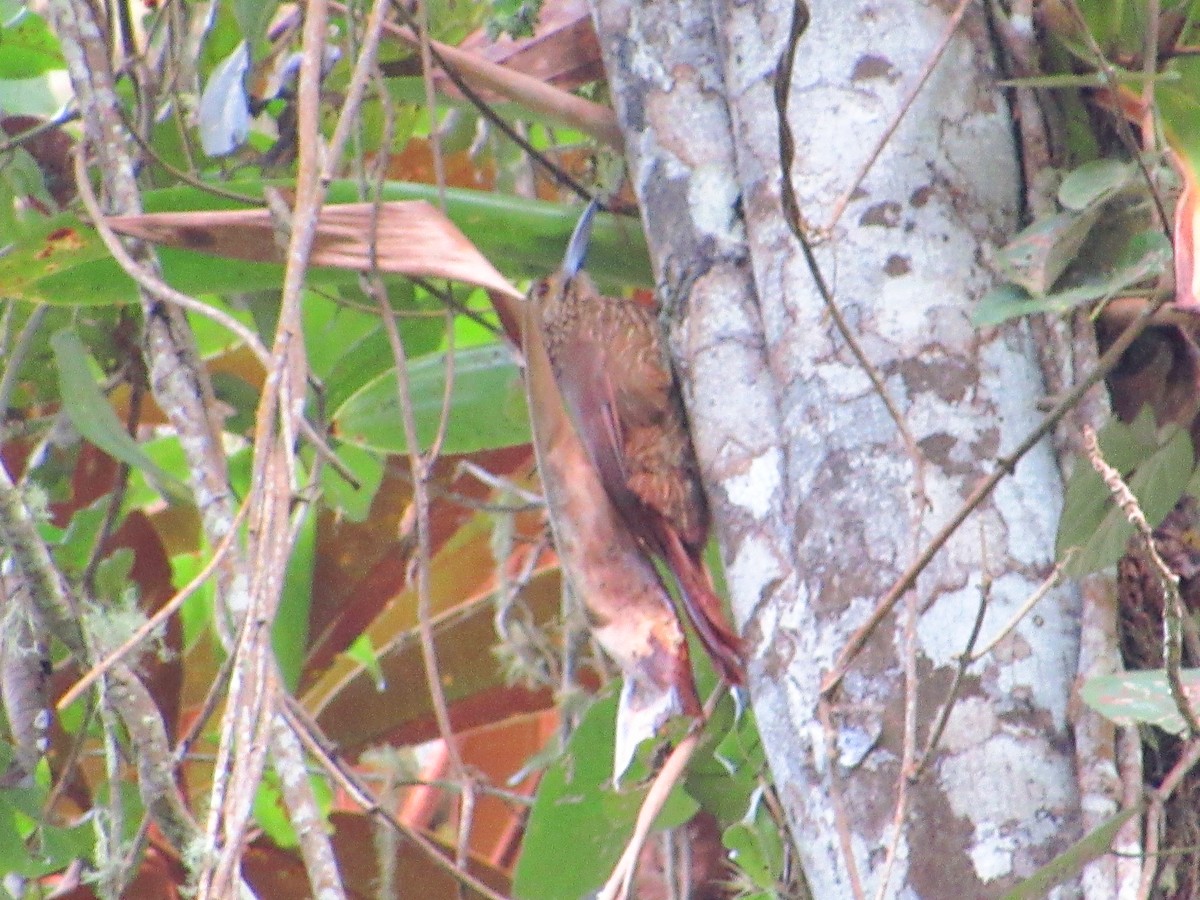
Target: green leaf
(29, 49)
(724, 774)
(1147, 255)
(578, 816)
(367, 468)
(271, 814)
(289, 632)
(41, 96)
(1037, 257)
(1092, 523)
(756, 847)
(360, 361)
(487, 405)
(65, 263)
(363, 652)
(252, 17)
(1071, 861)
(1179, 106)
(91, 414)
(1141, 698)
(1094, 182)
(79, 538)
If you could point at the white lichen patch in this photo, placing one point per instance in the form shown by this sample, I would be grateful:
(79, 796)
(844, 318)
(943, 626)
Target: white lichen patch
(755, 489)
(1012, 790)
(712, 201)
(753, 567)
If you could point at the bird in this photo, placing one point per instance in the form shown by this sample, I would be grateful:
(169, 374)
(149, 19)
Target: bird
(610, 364)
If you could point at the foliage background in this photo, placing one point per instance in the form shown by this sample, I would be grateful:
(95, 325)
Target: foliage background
(372, 670)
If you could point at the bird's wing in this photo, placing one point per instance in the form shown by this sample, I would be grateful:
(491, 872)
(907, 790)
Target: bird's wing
(592, 405)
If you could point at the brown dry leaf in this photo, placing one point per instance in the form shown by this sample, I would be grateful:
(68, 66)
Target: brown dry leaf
(563, 50)
(414, 238)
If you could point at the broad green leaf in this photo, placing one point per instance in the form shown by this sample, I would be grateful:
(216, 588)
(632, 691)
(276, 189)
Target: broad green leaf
(756, 847)
(578, 816)
(1148, 255)
(1093, 523)
(724, 774)
(1071, 861)
(40, 96)
(1141, 698)
(367, 468)
(252, 17)
(1178, 104)
(487, 405)
(94, 418)
(1037, 257)
(1094, 182)
(29, 49)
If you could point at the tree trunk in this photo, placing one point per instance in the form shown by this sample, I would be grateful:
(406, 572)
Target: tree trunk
(822, 498)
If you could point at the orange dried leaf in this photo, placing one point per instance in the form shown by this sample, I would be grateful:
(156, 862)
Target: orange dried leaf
(413, 238)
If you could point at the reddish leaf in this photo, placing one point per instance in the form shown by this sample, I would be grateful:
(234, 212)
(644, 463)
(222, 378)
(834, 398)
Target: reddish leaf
(463, 636)
(1187, 280)
(414, 239)
(563, 50)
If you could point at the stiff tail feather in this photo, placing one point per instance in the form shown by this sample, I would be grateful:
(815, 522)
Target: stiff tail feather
(704, 609)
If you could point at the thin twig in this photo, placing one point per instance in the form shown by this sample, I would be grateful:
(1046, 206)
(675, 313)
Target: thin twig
(620, 882)
(964, 662)
(147, 628)
(837, 800)
(1005, 465)
(1048, 584)
(795, 221)
(420, 472)
(151, 283)
(1173, 608)
(908, 753)
(440, 54)
(350, 781)
(1156, 814)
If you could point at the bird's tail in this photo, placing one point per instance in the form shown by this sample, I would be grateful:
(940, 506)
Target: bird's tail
(704, 609)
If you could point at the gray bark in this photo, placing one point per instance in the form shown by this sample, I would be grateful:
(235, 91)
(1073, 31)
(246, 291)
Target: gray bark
(819, 502)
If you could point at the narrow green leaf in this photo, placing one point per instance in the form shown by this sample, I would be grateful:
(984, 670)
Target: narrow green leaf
(487, 405)
(363, 652)
(91, 414)
(1071, 861)
(289, 632)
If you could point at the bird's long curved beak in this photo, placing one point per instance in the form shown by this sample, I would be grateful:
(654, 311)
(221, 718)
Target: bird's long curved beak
(577, 247)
